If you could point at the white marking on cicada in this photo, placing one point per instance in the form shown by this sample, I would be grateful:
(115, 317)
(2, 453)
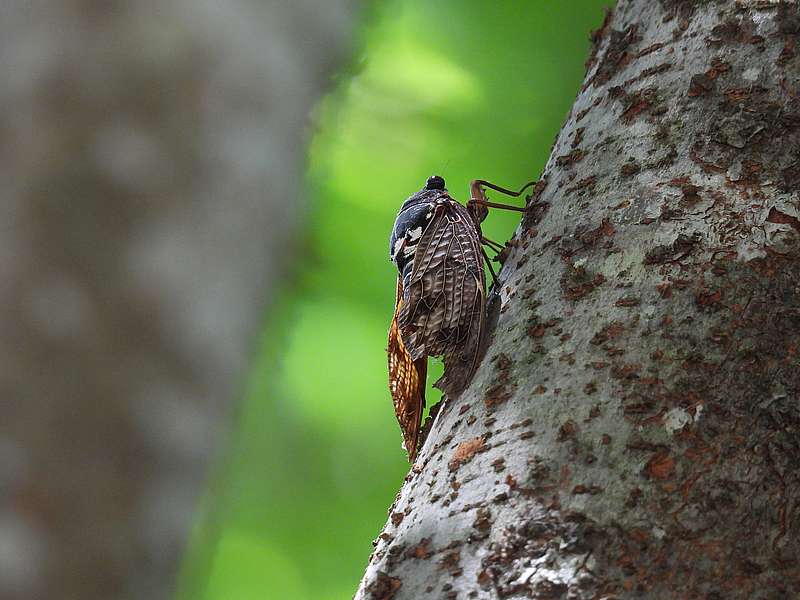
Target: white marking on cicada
(398, 243)
(414, 234)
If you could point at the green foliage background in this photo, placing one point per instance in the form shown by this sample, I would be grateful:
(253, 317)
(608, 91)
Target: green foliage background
(462, 89)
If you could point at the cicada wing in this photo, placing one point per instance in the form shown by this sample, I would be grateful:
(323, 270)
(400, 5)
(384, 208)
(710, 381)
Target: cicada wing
(406, 383)
(445, 295)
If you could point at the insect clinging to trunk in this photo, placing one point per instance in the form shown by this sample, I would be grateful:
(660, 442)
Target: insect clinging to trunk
(437, 246)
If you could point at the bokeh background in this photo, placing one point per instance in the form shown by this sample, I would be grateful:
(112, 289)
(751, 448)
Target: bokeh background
(462, 89)
(194, 276)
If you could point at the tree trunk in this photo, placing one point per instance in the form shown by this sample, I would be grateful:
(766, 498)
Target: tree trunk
(634, 429)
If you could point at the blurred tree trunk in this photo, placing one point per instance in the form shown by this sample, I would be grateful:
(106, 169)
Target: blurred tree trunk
(634, 429)
(151, 159)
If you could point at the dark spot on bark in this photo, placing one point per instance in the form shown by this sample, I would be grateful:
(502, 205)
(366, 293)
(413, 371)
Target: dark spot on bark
(583, 185)
(590, 388)
(627, 302)
(483, 520)
(735, 31)
(536, 331)
(524, 423)
(450, 563)
(421, 551)
(535, 212)
(397, 518)
(700, 85)
(383, 587)
(617, 54)
(678, 250)
(788, 52)
(567, 430)
(649, 72)
(630, 168)
(708, 298)
(502, 388)
(586, 489)
(633, 498)
(776, 216)
(566, 160)
(608, 332)
(637, 102)
(626, 371)
(578, 137)
(577, 282)
(718, 67)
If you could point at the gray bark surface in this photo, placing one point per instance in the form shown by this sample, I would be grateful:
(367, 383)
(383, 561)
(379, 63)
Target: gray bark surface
(151, 159)
(634, 428)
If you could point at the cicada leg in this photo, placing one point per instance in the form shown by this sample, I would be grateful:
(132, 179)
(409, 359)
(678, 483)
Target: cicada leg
(479, 205)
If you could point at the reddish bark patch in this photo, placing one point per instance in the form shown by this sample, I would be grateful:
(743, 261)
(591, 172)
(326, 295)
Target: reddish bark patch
(421, 551)
(635, 103)
(776, 216)
(502, 389)
(609, 332)
(579, 286)
(661, 466)
(586, 489)
(483, 519)
(576, 155)
(536, 331)
(465, 451)
(627, 302)
(629, 169)
(626, 371)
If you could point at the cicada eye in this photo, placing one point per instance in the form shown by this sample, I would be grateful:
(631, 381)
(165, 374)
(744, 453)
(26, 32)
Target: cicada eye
(434, 183)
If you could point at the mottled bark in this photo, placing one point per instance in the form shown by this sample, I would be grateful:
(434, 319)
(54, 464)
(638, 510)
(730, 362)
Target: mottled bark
(150, 159)
(634, 430)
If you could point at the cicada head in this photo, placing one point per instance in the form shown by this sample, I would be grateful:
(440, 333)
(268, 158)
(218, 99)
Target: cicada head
(414, 217)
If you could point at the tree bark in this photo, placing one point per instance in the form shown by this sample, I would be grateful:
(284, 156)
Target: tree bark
(634, 428)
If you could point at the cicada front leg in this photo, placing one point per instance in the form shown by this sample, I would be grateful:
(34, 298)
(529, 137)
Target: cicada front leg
(478, 207)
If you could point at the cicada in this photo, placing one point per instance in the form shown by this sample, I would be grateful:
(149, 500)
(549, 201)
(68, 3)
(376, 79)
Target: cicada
(437, 246)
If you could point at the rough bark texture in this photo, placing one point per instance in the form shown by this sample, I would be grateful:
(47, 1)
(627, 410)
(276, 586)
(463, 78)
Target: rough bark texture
(150, 159)
(634, 430)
